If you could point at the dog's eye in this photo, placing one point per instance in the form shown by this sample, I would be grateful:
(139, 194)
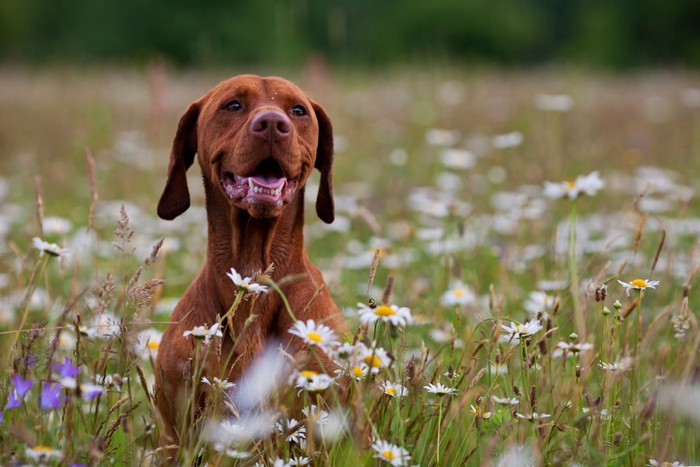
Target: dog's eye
(233, 106)
(299, 110)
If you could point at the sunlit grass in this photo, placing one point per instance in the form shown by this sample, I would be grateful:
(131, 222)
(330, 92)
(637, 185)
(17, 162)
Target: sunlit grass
(488, 321)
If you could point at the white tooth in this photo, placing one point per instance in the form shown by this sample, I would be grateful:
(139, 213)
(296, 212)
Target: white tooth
(250, 183)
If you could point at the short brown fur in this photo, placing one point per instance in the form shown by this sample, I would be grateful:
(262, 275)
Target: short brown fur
(245, 235)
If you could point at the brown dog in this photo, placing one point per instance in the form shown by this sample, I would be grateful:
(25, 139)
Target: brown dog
(257, 141)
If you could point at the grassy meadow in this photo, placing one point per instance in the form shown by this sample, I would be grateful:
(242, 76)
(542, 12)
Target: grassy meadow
(513, 341)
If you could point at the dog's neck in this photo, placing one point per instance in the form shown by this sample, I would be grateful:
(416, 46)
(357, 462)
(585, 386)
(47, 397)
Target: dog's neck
(237, 240)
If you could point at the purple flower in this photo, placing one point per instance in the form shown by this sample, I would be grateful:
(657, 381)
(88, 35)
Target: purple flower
(67, 369)
(51, 397)
(22, 386)
(13, 401)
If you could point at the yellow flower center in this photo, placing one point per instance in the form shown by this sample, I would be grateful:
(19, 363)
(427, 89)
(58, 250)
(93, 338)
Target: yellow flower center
(389, 455)
(314, 336)
(571, 185)
(373, 361)
(384, 310)
(308, 374)
(391, 391)
(153, 345)
(640, 283)
(519, 328)
(382, 251)
(42, 448)
(459, 293)
(357, 371)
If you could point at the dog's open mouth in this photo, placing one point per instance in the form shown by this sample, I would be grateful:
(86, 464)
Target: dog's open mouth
(267, 185)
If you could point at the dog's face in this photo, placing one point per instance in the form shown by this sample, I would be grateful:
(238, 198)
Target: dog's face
(257, 140)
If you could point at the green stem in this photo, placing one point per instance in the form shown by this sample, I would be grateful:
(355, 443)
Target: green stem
(573, 273)
(437, 453)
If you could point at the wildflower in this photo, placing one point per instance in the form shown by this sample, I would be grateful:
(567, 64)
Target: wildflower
(314, 335)
(457, 158)
(639, 284)
(149, 340)
(479, 411)
(51, 397)
(573, 348)
(459, 294)
(53, 225)
(297, 436)
(439, 389)
(299, 461)
(441, 137)
(539, 301)
(67, 369)
(533, 416)
(358, 372)
(506, 400)
(204, 332)
(313, 413)
(621, 366)
(394, 455)
(655, 463)
(49, 248)
(515, 332)
(244, 429)
(246, 284)
(393, 389)
(507, 140)
(43, 453)
(232, 453)
(397, 316)
(89, 391)
(311, 381)
(20, 389)
(218, 384)
(584, 184)
(554, 102)
(375, 358)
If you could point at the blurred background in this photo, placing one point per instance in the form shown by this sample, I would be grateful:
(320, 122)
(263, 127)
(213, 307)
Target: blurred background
(603, 33)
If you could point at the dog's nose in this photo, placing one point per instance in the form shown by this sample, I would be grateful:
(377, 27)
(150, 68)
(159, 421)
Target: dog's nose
(271, 125)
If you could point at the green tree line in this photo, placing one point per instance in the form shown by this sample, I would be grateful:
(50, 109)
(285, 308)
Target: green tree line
(608, 33)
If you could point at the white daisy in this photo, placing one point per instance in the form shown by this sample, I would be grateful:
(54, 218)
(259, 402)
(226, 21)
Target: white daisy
(297, 436)
(639, 284)
(311, 381)
(506, 400)
(315, 335)
(43, 453)
(393, 389)
(397, 316)
(533, 416)
(218, 384)
(583, 185)
(391, 453)
(458, 295)
(515, 332)
(375, 358)
(439, 389)
(232, 453)
(655, 463)
(204, 332)
(539, 301)
(480, 411)
(246, 284)
(148, 340)
(621, 365)
(570, 349)
(49, 248)
(314, 414)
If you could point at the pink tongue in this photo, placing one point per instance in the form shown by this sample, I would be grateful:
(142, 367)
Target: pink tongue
(271, 183)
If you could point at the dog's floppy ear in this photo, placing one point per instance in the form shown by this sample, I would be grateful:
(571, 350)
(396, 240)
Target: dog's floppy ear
(176, 196)
(324, 163)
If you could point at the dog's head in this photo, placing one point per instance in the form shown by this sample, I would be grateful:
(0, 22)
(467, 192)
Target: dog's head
(257, 140)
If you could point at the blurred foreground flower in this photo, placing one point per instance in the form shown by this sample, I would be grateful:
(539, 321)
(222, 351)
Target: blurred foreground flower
(49, 248)
(583, 185)
(51, 396)
(639, 284)
(391, 453)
